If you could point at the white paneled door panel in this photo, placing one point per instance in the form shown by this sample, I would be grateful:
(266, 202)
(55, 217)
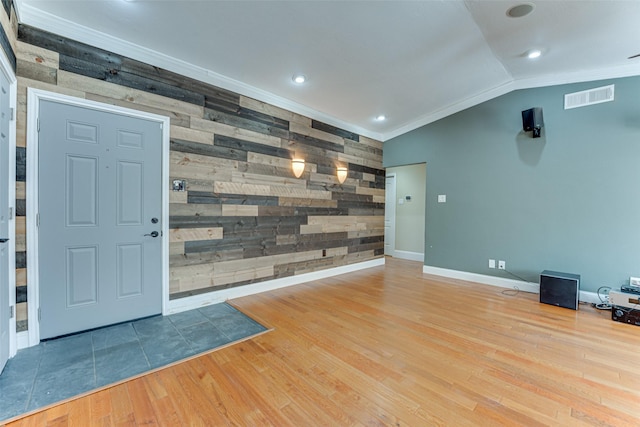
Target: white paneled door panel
(99, 206)
(81, 190)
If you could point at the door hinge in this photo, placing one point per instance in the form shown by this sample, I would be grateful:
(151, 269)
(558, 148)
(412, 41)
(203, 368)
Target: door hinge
(37, 220)
(13, 113)
(11, 311)
(38, 124)
(39, 314)
(11, 213)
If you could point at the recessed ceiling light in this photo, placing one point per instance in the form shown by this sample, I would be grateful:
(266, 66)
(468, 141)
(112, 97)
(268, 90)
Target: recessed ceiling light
(381, 118)
(299, 78)
(520, 10)
(534, 53)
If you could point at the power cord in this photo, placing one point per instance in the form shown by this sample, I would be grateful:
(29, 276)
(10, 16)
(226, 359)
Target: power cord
(604, 302)
(519, 277)
(511, 292)
(515, 291)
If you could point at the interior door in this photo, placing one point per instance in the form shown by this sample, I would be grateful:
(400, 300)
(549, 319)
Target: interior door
(390, 215)
(5, 118)
(100, 208)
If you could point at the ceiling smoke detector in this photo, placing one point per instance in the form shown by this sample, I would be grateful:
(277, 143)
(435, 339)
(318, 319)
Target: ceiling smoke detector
(520, 10)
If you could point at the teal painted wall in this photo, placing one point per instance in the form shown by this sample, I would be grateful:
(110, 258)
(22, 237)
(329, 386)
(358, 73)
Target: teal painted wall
(568, 201)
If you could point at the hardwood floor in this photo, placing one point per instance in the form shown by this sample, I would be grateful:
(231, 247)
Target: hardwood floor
(390, 346)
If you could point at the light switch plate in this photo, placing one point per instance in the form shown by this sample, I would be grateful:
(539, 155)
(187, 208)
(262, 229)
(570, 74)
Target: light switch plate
(442, 198)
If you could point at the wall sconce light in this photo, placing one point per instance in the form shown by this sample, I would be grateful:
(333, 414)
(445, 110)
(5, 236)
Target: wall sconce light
(297, 165)
(342, 173)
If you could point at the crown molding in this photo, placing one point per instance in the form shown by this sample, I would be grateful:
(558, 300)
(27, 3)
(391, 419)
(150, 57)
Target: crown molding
(451, 109)
(604, 73)
(37, 18)
(517, 84)
(51, 23)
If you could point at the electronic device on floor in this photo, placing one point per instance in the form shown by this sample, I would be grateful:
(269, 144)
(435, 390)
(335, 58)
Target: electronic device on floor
(633, 287)
(630, 289)
(624, 299)
(625, 315)
(625, 307)
(560, 289)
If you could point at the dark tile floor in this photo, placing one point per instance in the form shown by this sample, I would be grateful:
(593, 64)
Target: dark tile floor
(61, 368)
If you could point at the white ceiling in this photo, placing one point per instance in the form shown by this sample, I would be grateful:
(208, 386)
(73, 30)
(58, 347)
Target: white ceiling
(413, 61)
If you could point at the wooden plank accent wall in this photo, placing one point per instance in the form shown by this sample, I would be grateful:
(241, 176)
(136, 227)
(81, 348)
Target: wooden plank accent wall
(244, 217)
(8, 33)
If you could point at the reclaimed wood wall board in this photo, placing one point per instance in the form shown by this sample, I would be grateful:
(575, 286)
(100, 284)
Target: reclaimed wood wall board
(7, 33)
(244, 218)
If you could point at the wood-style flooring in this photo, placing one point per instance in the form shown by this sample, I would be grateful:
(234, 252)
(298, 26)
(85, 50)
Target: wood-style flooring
(390, 346)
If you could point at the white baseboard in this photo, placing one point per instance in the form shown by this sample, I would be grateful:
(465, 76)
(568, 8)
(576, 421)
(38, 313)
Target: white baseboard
(590, 297)
(411, 256)
(482, 278)
(196, 301)
(585, 296)
(22, 339)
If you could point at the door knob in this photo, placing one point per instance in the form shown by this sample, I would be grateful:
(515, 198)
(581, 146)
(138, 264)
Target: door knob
(4, 240)
(153, 234)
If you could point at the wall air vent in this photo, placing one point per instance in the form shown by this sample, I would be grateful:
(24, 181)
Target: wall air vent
(589, 97)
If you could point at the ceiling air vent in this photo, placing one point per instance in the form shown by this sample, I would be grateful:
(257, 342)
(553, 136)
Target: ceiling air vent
(588, 97)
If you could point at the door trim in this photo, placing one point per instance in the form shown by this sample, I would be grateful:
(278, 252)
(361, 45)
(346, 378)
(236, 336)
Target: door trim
(392, 249)
(34, 96)
(6, 69)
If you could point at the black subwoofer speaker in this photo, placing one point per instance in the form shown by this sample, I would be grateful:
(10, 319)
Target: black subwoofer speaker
(561, 289)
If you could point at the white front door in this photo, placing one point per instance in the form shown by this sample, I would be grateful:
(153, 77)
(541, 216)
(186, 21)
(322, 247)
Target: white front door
(390, 215)
(100, 218)
(5, 118)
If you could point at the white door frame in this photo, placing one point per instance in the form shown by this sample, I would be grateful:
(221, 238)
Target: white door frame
(389, 208)
(34, 96)
(13, 83)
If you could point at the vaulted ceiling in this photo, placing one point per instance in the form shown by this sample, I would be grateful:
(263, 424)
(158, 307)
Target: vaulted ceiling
(411, 61)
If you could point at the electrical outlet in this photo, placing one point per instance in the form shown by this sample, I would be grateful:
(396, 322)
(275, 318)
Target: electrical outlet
(492, 263)
(502, 265)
